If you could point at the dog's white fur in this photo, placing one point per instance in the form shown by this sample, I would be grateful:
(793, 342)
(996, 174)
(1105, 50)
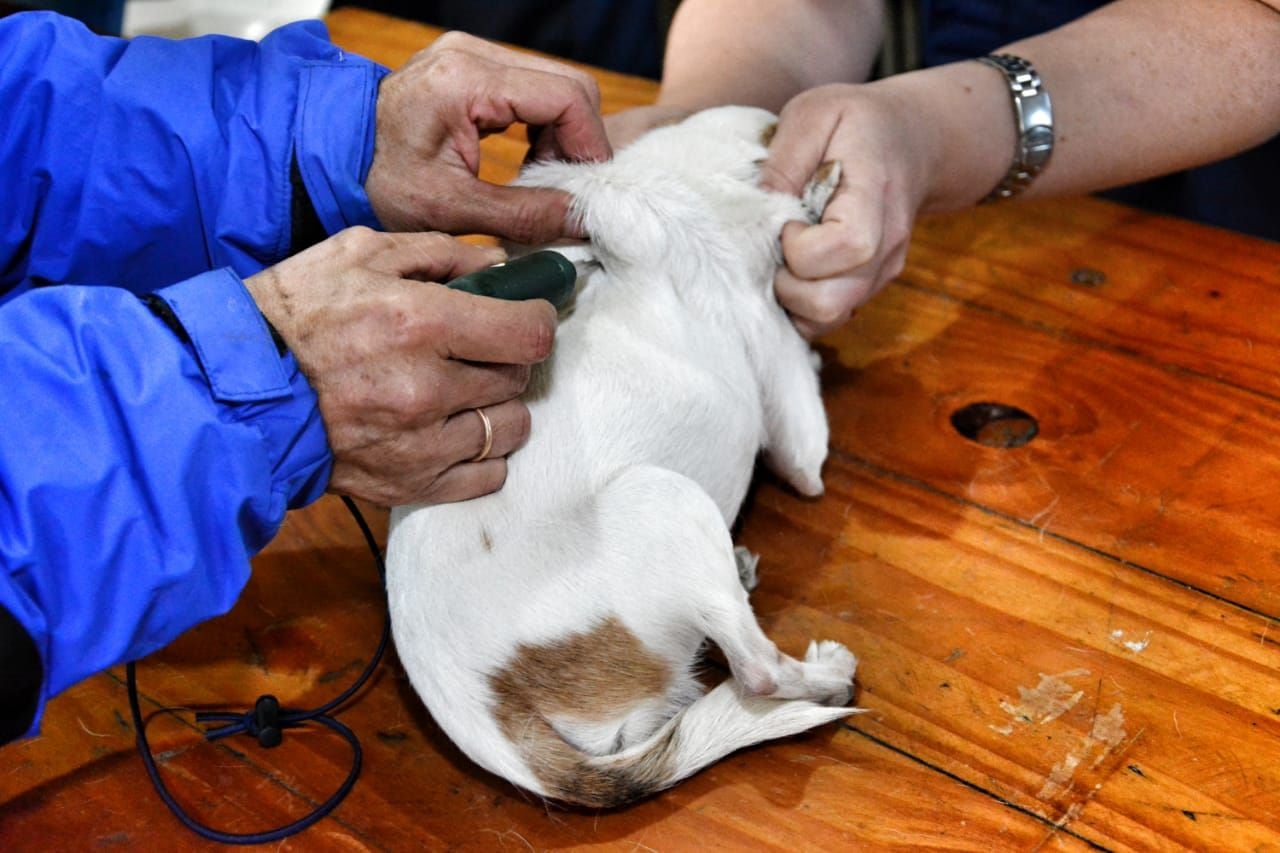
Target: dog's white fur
(608, 549)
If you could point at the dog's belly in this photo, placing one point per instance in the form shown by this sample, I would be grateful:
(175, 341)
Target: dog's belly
(653, 388)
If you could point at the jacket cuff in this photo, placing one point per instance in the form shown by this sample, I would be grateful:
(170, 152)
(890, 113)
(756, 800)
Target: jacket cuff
(334, 136)
(265, 388)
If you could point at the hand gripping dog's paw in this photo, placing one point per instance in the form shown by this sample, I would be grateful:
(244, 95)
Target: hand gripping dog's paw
(831, 672)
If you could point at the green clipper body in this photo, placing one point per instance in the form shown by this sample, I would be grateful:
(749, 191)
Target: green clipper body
(540, 275)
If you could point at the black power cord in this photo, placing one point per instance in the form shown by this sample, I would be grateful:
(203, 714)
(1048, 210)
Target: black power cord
(267, 722)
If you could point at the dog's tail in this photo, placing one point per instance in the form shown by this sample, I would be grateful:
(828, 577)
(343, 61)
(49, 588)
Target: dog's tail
(718, 723)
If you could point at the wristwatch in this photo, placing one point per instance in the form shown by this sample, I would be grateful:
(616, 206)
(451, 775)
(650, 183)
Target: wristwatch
(1033, 115)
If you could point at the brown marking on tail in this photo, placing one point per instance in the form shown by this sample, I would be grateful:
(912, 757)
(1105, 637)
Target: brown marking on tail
(766, 135)
(595, 675)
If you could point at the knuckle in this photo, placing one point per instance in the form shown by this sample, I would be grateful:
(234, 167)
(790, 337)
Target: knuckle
(434, 246)
(853, 247)
(894, 268)
(436, 240)
(358, 241)
(451, 40)
(518, 378)
(494, 476)
(358, 234)
(529, 222)
(590, 87)
(828, 306)
(451, 67)
(542, 333)
(405, 399)
(408, 323)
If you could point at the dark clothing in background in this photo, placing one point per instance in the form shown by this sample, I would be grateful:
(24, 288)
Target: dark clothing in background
(622, 35)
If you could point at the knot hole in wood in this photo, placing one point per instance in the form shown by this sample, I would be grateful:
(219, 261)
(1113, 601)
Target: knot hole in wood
(995, 425)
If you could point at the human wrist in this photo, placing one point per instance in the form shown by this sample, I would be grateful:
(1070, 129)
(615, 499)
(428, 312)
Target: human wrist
(959, 128)
(1033, 124)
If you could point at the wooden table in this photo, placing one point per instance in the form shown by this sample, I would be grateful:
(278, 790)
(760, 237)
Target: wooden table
(1067, 644)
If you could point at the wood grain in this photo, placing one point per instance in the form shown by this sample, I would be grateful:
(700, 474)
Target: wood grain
(1067, 645)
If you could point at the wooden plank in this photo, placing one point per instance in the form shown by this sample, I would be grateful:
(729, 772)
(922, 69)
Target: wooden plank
(1165, 470)
(823, 791)
(1167, 720)
(310, 614)
(1168, 291)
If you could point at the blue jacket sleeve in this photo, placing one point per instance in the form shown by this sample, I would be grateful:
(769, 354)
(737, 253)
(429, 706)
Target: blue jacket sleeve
(140, 471)
(145, 162)
(145, 457)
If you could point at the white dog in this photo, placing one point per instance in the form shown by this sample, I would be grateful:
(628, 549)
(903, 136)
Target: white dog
(553, 628)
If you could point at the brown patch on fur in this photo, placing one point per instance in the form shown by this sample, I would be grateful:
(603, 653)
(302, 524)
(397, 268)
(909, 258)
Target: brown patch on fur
(766, 135)
(595, 675)
(485, 539)
(824, 171)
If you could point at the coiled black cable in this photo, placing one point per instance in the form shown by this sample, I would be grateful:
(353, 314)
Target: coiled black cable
(267, 722)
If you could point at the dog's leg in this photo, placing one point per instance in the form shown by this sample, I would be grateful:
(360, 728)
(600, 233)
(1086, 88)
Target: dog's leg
(686, 580)
(663, 566)
(824, 676)
(795, 423)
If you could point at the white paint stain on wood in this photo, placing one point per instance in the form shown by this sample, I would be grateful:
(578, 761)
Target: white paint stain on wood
(1105, 735)
(1044, 703)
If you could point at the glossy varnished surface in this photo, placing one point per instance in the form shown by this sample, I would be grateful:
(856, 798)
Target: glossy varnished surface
(1066, 645)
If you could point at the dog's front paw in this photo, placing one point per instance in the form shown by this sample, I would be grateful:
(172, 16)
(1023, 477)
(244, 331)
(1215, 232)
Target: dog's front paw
(830, 671)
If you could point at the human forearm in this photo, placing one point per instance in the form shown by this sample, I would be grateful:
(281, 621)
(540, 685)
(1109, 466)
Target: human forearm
(762, 52)
(145, 460)
(170, 158)
(1140, 88)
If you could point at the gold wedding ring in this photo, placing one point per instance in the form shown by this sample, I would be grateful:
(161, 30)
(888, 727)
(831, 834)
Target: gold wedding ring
(488, 437)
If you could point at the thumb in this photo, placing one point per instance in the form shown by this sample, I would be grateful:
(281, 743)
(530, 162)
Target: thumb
(797, 149)
(521, 214)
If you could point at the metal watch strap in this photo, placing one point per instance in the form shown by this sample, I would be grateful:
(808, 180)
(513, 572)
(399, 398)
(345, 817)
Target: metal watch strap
(1033, 117)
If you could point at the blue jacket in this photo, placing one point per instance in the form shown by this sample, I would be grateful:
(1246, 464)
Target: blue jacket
(150, 448)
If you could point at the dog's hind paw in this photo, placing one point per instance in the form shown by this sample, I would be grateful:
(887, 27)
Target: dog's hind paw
(830, 671)
(747, 564)
(820, 188)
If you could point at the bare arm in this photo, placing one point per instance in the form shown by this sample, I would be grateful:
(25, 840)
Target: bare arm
(762, 52)
(1140, 88)
(756, 53)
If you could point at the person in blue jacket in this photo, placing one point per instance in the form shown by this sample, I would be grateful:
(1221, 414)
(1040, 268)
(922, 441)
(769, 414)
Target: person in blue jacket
(201, 326)
(1141, 92)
